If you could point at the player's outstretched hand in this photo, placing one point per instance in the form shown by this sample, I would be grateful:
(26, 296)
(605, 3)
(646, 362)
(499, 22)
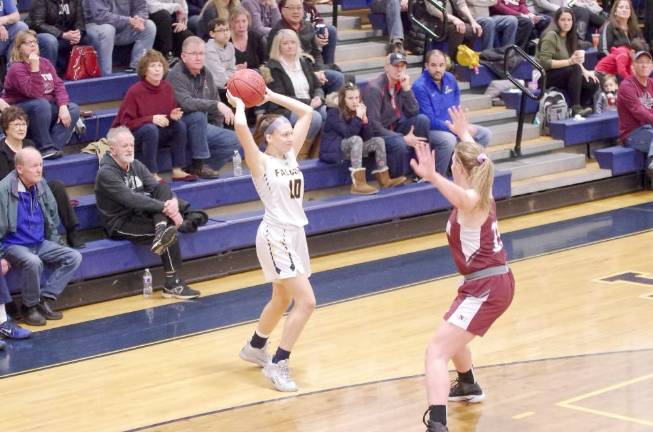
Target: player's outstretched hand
(234, 101)
(424, 166)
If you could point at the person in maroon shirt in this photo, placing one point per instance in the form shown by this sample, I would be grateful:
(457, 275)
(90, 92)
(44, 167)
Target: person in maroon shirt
(151, 112)
(635, 107)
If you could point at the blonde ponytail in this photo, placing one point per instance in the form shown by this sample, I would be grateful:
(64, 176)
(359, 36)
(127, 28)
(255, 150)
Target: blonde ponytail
(479, 168)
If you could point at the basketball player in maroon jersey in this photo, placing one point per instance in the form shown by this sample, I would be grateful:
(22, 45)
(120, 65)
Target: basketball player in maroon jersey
(477, 250)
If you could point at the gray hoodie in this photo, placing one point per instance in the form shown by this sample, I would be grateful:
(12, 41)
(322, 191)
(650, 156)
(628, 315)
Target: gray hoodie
(114, 12)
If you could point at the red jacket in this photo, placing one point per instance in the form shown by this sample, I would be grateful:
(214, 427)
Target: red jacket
(635, 105)
(616, 63)
(509, 7)
(142, 102)
(21, 84)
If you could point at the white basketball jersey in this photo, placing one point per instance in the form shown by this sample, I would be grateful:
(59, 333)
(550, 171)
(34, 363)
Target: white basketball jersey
(281, 188)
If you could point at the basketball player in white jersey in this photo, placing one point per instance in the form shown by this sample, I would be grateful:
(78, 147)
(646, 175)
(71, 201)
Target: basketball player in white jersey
(488, 286)
(280, 241)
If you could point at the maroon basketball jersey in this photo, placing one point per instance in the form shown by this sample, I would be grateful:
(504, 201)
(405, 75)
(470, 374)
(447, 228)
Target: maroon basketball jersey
(475, 249)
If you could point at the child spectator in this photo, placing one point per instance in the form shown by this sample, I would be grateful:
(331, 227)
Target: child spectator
(220, 54)
(620, 59)
(606, 99)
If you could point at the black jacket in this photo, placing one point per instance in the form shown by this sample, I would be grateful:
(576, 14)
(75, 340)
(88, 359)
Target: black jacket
(306, 36)
(282, 84)
(44, 17)
(7, 156)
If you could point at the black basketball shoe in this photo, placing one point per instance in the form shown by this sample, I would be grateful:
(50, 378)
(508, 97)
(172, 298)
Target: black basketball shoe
(433, 426)
(466, 392)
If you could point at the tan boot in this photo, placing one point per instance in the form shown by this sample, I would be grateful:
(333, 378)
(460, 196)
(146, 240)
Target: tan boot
(359, 184)
(383, 177)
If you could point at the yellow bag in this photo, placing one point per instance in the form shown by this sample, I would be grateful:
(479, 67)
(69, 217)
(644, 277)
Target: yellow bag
(465, 56)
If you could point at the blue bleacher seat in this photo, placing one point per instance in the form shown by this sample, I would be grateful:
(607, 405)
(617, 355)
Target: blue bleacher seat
(596, 127)
(512, 99)
(620, 159)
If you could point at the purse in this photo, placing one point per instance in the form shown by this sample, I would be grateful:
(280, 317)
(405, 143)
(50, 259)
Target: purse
(82, 64)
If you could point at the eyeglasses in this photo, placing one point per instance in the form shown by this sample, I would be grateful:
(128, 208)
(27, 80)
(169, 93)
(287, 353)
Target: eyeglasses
(294, 8)
(18, 124)
(222, 30)
(194, 53)
(29, 42)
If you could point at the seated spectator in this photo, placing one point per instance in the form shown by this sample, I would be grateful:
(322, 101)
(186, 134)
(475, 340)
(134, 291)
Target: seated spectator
(264, 15)
(171, 19)
(150, 111)
(620, 28)
(135, 206)
(30, 239)
(392, 11)
(436, 91)
(542, 20)
(606, 99)
(60, 26)
(330, 34)
(558, 53)
(194, 10)
(292, 18)
(619, 61)
(204, 113)
(635, 108)
(526, 20)
(249, 48)
(10, 26)
(589, 16)
(458, 31)
(498, 30)
(393, 113)
(292, 76)
(215, 9)
(220, 53)
(14, 123)
(32, 83)
(112, 23)
(8, 327)
(347, 136)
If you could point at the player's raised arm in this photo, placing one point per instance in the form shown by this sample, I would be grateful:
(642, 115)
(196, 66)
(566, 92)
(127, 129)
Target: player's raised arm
(245, 138)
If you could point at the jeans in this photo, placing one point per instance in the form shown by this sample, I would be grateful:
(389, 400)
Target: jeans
(12, 29)
(29, 261)
(319, 117)
(329, 50)
(641, 139)
(149, 137)
(104, 37)
(443, 142)
(392, 11)
(335, 80)
(210, 142)
(397, 151)
(43, 128)
(524, 30)
(498, 30)
(57, 50)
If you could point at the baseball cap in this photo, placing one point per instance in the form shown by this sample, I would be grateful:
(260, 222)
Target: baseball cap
(396, 57)
(638, 54)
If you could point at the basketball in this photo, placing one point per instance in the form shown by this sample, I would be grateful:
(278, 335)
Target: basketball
(247, 85)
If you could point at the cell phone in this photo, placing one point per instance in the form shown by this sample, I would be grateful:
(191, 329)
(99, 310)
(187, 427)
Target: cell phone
(320, 30)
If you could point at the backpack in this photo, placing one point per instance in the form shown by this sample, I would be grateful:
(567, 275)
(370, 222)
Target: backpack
(83, 63)
(553, 106)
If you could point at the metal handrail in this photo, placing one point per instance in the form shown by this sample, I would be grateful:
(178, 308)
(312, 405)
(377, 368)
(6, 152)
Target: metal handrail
(525, 91)
(430, 34)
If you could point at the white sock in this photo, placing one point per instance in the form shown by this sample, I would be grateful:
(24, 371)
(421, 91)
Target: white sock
(3, 314)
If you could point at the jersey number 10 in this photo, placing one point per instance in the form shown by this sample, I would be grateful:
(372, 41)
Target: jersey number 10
(295, 187)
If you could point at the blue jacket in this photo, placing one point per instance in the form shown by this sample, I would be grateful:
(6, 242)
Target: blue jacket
(433, 101)
(335, 130)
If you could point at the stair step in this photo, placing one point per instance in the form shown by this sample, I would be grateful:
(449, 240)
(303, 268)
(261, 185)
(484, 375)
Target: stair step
(491, 114)
(474, 102)
(529, 147)
(357, 35)
(506, 133)
(345, 22)
(541, 165)
(370, 63)
(359, 50)
(589, 173)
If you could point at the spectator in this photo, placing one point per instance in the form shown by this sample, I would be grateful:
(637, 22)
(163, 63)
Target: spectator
(264, 15)
(28, 229)
(620, 59)
(220, 53)
(392, 11)
(542, 19)
(8, 327)
(292, 17)
(249, 48)
(60, 26)
(171, 20)
(436, 90)
(204, 113)
(558, 53)
(635, 108)
(10, 26)
(215, 9)
(347, 136)
(458, 31)
(588, 16)
(135, 207)
(14, 123)
(313, 16)
(118, 22)
(150, 111)
(292, 76)
(393, 113)
(32, 83)
(526, 20)
(620, 28)
(498, 30)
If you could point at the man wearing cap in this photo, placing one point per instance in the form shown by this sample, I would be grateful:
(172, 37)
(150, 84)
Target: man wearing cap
(393, 113)
(635, 107)
(436, 90)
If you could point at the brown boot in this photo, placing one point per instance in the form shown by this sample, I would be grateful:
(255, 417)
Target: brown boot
(359, 184)
(383, 177)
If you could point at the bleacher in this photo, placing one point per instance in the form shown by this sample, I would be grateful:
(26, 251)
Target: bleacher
(548, 162)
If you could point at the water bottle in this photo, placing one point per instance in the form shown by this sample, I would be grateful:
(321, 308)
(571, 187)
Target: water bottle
(147, 283)
(238, 164)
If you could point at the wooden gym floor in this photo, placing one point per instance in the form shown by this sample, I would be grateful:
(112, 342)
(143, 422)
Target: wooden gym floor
(574, 351)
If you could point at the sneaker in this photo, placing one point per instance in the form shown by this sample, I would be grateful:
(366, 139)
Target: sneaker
(164, 236)
(180, 291)
(52, 154)
(130, 70)
(258, 356)
(279, 376)
(396, 46)
(465, 392)
(11, 330)
(432, 426)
